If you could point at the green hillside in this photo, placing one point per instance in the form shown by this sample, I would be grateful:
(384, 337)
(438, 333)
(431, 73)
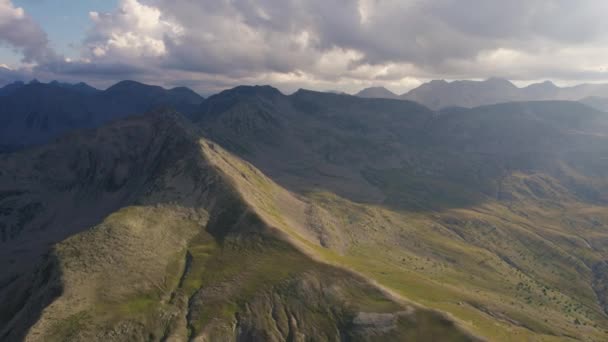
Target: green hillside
(312, 216)
(496, 214)
(203, 253)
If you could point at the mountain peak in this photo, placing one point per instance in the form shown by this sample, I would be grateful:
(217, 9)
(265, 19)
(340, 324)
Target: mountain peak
(380, 88)
(181, 89)
(129, 84)
(84, 87)
(545, 84)
(377, 92)
(499, 81)
(81, 86)
(307, 92)
(334, 91)
(252, 90)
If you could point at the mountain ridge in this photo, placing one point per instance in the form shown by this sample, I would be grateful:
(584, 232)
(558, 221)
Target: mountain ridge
(438, 94)
(204, 196)
(494, 216)
(377, 92)
(36, 112)
(466, 165)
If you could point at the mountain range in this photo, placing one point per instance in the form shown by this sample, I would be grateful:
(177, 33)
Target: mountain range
(36, 112)
(440, 94)
(260, 216)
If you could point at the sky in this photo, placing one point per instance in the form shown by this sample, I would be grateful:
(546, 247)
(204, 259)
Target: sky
(344, 45)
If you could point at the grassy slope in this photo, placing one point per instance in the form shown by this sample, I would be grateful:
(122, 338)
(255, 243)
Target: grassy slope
(526, 265)
(498, 267)
(216, 270)
(515, 269)
(494, 215)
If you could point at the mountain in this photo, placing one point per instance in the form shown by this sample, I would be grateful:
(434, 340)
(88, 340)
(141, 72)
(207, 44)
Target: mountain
(439, 94)
(580, 91)
(36, 112)
(599, 103)
(377, 92)
(10, 88)
(190, 242)
(135, 97)
(338, 92)
(81, 86)
(485, 213)
(540, 91)
(311, 216)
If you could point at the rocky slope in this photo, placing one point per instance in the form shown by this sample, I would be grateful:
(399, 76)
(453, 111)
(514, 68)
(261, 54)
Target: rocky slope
(494, 214)
(375, 213)
(197, 245)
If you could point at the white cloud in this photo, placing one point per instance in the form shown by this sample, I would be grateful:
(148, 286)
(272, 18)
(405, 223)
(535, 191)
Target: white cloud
(394, 42)
(20, 32)
(133, 31)
(336, 44)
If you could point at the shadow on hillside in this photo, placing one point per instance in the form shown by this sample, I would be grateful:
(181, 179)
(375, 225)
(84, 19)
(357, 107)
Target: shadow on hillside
(401, 155)
(431, 175)
(27, 296)
(459, 181)
(429, 180)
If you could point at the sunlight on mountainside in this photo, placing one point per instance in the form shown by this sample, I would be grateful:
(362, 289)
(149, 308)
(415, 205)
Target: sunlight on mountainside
(284, 170)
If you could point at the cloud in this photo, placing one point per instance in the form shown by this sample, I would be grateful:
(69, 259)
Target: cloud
(385, 41)
(338, 44)
(20, 32)
(133, 31)
(8, 75)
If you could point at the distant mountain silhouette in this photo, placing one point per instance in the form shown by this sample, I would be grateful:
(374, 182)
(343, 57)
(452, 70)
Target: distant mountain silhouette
(597, 102)
(82, 87)
(35, 112)
(377, 92)
(438, 94)
(10, 88)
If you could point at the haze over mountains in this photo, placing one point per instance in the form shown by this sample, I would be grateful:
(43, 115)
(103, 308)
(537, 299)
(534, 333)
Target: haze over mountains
(440, 94)
(256, 215)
